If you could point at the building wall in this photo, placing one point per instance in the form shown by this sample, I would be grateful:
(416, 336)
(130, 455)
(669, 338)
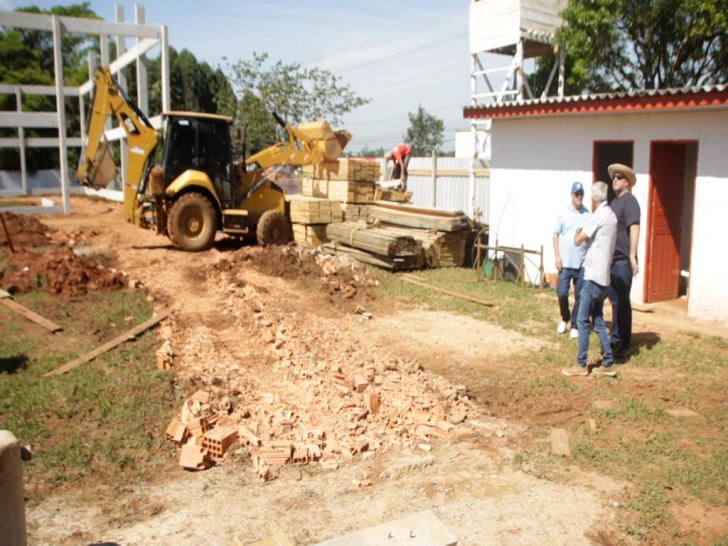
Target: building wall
(535, 160)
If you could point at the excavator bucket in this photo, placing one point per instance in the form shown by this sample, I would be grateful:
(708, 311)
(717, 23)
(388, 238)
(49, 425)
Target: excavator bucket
(103, 169)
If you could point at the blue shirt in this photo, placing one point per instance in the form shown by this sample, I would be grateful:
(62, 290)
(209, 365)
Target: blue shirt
(567, 223)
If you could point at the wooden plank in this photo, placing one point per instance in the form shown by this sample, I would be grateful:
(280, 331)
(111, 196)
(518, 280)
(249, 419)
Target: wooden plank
(417, 220)
(414, 280)
(385, 262)
(429, 211)
(30, 315)
(131, 334)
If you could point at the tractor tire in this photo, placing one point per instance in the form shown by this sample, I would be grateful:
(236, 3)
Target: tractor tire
(273, 228)
(192, 222)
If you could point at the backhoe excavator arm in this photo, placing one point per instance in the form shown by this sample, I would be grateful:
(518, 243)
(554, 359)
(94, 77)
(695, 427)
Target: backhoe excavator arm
(142, 139)
(309, 143)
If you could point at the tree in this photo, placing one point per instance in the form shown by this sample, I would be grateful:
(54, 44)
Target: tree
(297, 94)
(635, 44)
(425, 133)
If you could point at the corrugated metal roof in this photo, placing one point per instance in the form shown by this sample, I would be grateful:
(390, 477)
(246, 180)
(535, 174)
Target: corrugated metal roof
(621, 100)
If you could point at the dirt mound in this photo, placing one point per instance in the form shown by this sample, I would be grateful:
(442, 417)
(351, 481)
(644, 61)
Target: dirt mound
(345, 282)
(25, 231)
(58, 271)
(44, 260)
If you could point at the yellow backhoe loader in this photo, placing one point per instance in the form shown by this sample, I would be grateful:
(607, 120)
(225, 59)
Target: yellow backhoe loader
(198, 189)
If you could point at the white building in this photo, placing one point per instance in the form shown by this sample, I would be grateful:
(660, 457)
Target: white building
(677, 143)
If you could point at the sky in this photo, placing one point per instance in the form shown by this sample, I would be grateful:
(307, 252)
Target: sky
(399, 55)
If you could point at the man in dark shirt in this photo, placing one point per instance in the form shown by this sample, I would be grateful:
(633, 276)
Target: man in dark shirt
(624, 261)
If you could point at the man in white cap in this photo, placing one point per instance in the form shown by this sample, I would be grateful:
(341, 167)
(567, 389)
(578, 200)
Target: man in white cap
(600, 234)
(569, 257)
(624, 262)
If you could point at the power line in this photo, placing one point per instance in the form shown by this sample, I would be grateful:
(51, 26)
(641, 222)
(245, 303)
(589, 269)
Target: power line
(414, 49)
(438, 109)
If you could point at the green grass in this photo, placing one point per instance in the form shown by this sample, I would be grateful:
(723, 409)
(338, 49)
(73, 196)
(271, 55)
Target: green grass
(104, 419)
(637, 441)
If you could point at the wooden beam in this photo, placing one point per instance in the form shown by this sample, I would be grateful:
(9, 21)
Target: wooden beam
(7, 301)
(131, 334)
(414, 280)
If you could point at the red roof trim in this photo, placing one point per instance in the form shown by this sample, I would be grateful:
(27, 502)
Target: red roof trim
(617, 104)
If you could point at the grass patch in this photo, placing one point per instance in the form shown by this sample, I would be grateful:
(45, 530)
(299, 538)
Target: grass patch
(102, 421)
(637, 441)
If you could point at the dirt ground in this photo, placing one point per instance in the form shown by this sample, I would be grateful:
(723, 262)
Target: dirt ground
(469, 481)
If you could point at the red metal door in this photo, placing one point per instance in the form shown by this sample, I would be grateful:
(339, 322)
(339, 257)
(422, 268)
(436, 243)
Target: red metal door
(668, 179)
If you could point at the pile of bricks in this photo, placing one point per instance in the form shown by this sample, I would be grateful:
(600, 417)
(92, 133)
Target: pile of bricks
(321, 398)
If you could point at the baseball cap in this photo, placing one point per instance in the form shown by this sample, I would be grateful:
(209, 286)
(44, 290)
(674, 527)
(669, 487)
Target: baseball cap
(576, 187)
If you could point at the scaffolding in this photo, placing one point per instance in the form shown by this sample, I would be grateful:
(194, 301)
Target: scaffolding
(514, 30)
(146, 38)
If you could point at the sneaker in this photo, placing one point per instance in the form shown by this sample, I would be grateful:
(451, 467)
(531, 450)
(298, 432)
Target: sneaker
(574, 334)
(578, 371)
(561, 328)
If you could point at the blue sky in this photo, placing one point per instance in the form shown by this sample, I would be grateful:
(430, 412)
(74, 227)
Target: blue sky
(399, 55)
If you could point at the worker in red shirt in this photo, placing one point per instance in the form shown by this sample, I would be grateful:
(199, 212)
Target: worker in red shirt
(400, 154)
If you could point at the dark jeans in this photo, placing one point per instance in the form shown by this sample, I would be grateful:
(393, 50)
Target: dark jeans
(566, 276)
(397, 172)
(621, 279)
(592, 304)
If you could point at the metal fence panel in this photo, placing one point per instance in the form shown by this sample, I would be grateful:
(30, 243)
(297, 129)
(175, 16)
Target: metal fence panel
(452, 190)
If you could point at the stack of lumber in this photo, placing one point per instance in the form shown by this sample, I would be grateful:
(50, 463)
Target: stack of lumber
(344, 169)
(373, 239)
(310, 235)
(310, 210)
(309, 216)
(354, 211)
(394, 263)
(419, 217)
(441, 236)
(441, 248)
(346, 180)
(396, 196)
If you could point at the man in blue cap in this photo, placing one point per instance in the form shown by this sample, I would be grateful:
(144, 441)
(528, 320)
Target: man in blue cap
(569, 257)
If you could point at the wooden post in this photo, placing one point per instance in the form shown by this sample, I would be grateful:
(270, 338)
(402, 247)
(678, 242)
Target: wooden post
(434, 179)
(7, 233)
(523, 269)
(540, 271)
(12, 499)
(477, 259)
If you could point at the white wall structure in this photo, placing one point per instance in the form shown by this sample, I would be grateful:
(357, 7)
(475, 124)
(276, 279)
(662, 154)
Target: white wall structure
(147, 37)
(468, 143)
(541, 147)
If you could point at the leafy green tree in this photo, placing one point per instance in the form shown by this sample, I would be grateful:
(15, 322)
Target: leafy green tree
(425, 133)
(636, 44)
(297, 94)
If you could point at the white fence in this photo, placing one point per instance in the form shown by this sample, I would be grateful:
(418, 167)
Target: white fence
(452, 185)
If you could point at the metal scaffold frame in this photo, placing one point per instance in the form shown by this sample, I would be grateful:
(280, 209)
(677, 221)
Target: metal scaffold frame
(146, 37)
(526, 43)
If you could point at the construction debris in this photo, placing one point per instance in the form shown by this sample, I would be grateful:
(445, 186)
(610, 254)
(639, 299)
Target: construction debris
(318, 402)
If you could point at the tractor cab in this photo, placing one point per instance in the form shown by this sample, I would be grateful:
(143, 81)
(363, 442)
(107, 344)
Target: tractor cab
(201, 142)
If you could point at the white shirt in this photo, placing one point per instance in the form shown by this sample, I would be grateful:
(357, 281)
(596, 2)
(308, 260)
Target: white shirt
(601, 230)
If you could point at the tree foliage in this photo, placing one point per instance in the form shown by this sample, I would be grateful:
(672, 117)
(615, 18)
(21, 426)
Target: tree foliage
(297, 94)
(425, 133)
(638, 44)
